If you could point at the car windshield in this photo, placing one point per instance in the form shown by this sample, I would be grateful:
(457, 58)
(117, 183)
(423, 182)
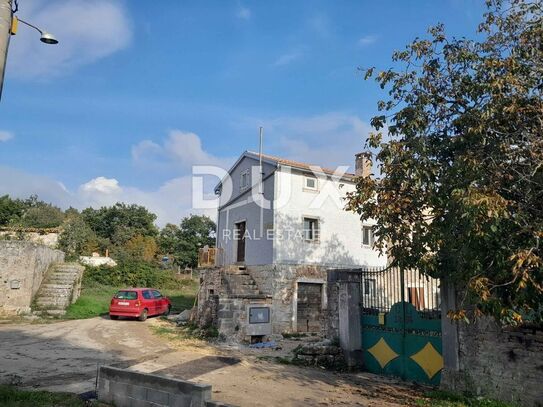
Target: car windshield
(126, 295)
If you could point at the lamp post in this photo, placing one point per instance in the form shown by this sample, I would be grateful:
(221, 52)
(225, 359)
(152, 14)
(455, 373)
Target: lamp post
(8, 27)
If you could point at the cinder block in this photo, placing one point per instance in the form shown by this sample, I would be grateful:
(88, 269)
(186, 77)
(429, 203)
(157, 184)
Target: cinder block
(158, 397)
(180, 400)
(137, 392)
(120, 399)
(140, 403)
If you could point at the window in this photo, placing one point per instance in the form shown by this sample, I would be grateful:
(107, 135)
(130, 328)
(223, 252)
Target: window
(244, 180)
(310, 183)
(157, 294)
(367, 236)
(369, 287)
(311, 229)
(127, 295)
(147, 295)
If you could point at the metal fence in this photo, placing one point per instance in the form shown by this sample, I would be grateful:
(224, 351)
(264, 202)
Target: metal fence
(381, 288)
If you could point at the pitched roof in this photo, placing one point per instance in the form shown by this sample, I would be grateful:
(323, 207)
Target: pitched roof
(298, 164)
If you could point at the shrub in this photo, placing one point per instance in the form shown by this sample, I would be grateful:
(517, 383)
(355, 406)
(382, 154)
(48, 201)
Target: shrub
(131, 274)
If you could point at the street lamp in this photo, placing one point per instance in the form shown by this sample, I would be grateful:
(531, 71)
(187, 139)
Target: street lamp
(46, 37)
(8, 27)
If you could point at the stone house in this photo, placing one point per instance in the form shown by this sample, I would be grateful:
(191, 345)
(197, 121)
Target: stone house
(281, 225)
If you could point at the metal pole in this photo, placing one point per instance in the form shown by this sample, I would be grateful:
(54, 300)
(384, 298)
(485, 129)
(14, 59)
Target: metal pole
(6, 16)
(261, 182)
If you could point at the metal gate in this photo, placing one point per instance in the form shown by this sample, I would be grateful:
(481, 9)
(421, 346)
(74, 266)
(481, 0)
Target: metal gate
(401, 324)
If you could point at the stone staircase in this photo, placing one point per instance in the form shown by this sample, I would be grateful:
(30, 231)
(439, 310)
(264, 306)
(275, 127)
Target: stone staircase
(60, 288)
(239, 283)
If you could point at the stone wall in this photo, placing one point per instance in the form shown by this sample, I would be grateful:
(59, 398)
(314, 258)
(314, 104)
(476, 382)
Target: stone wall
(23, 266)
(503, 364)
(49, 239)
(280, 281)
(125, 388)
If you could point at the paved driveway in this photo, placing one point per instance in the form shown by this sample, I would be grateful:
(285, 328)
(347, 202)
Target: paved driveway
(63, 356)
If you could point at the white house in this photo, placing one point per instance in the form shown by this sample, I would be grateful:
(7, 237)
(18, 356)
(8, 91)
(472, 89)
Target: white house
(278, 211)
(281, 226)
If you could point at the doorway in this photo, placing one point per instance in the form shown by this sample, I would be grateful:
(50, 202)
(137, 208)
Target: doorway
(240, 238)
(309, 307)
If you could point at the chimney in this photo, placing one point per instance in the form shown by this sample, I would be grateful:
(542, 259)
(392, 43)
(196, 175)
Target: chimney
(362, 164)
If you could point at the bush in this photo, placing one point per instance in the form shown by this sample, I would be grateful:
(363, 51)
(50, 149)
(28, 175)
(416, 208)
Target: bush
(131, 274)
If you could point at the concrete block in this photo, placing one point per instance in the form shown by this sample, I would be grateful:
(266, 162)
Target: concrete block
(139, 403)
(180, 400)
(137, 392)
(158, 397)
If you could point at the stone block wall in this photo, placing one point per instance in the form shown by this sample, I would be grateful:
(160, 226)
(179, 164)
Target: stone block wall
(125, 388)
(330, 328)
(232, 316)
(23, 266)
(503, 364)
(280, 281)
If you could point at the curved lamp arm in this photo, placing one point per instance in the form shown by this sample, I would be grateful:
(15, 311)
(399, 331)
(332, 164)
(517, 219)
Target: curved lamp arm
(46, 37)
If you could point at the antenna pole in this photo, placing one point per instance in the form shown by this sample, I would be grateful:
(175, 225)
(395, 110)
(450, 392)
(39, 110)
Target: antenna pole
(261, 189)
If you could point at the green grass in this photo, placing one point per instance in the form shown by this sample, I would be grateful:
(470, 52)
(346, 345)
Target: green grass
(94, 300)
(440, 398)
(14, 397)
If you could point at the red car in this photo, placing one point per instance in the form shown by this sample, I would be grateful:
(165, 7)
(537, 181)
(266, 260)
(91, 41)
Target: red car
(139, 303)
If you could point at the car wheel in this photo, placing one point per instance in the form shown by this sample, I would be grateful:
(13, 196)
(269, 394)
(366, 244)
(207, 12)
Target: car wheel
(167, 312)
(113, 317)
(143, 315)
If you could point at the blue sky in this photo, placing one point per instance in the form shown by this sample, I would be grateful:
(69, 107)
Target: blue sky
(137, 92)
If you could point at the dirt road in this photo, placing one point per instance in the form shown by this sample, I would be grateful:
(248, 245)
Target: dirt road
(63, 356)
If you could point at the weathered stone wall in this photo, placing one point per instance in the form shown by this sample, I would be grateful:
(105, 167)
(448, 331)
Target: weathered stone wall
(49, 239)
(23, 266)
(330, 328)
(125, 388)
(280, 281)
(232, 319)
(498, 363)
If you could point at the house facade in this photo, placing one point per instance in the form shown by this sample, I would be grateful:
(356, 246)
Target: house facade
(291, 213)
(281, 226)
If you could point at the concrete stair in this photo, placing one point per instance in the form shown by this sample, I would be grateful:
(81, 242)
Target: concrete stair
(240, 283)
(60, 288)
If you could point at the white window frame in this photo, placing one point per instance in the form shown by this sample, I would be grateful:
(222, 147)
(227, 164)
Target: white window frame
(247, 175)
(316, 232)
(308, 188)
(369, 287)
(371, 237)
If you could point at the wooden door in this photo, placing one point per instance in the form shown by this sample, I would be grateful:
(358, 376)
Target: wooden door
(309, 307)
(240, 251)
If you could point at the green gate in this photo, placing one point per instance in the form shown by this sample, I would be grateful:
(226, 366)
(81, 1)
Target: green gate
(401, 324)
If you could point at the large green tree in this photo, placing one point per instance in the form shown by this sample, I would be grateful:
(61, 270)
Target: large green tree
(10, 210)
(183, 241)
(121, 222)
(459, 145)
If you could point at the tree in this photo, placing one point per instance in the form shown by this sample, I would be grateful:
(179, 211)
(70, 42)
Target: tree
(120, 222)
(39, 214)
(143, 248)
(184, 241)
(168, 239)
(10, 210)
(77, 238)
(460, 195)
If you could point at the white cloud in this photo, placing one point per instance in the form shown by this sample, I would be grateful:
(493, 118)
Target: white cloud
(329, 139)
(170, 202)
(367, 40)
(182, 149)
(87, 31)
(243, 13)
(5, 135)
(102, 185)
(287, 58)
